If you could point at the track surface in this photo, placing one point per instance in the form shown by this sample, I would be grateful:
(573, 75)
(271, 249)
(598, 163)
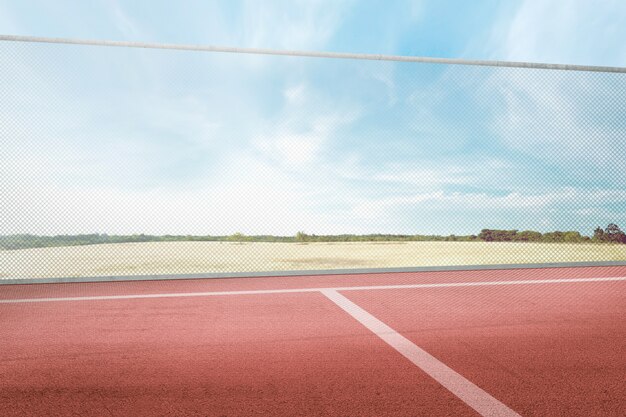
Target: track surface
(529, 342)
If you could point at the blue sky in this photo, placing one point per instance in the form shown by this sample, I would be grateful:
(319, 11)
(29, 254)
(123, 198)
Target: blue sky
(144, 141)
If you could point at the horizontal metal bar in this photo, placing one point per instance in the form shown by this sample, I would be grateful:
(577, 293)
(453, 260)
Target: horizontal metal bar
(223, 275)
(313, 54)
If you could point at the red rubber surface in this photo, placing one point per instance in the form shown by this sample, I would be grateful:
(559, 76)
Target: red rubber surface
(278, 355)
(543, 350)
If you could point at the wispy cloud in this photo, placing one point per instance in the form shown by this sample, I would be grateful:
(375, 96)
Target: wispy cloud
(574, 32)
(8, 21)
(127, 26)
(570, 119)
(302, 25)
(299, 135)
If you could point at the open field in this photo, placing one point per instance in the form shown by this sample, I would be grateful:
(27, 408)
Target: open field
(211, 257)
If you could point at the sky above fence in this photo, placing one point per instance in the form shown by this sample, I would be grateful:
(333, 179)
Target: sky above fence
(135, 141)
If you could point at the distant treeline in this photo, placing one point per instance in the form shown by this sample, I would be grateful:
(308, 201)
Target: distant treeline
(611, 234)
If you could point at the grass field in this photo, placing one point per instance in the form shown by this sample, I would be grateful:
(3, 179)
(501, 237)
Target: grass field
(210, 257)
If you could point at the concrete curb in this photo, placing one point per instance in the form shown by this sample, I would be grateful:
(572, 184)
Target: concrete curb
(224, 275)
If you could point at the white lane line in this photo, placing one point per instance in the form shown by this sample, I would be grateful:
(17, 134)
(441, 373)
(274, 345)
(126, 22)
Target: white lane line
(470, 394)
(304, 290)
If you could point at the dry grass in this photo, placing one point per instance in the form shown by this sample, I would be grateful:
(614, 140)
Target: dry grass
(207, 257)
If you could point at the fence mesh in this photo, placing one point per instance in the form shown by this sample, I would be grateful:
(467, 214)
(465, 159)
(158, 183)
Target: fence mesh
(126, 161)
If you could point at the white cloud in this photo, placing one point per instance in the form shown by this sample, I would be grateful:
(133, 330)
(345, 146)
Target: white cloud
(569, 120)
(257, 198)
(572, 32)
(296, 94)
(297, 141)
(304, 24)
(300, 132)
(426, 176)
(294, 149)
(127, 26)
(456, 212)
(250, 196)
(8, 22)
(383, 73)
(93, 162)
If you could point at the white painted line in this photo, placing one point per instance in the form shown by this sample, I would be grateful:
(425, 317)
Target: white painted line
(164, 295)
(469, 393)
(304, 290)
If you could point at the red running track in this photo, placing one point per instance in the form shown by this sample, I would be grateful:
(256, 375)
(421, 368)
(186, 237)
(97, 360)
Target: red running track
(554, 348)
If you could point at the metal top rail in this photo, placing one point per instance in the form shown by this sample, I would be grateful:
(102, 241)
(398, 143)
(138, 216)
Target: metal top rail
(313, 54)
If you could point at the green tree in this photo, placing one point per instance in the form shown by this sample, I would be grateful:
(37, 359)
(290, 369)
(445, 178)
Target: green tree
(496, 235)
(572, 237)
(302, 237)
(487, 235)
(237, 237)
(613, 234)
(598, 235)
(528, 236)
(556, 236)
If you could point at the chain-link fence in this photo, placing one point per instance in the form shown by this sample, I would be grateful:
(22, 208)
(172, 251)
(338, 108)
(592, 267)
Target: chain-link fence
(135, 161)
